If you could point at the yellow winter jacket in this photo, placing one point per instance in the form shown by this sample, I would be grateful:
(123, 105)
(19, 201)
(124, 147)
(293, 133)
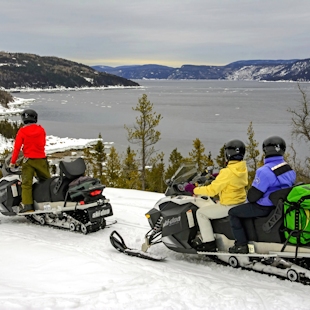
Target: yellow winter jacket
(229, 184)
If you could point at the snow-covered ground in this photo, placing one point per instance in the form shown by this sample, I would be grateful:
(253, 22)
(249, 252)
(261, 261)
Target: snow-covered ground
(15, 107)
(55, 144)
(47, 268)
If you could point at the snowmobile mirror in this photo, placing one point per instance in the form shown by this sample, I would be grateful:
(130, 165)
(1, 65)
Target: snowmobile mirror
(168, 182)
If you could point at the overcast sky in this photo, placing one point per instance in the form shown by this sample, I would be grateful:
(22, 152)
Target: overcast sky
(166, 32)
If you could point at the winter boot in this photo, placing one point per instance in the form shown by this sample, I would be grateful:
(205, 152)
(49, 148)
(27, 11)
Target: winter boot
(241, 249)
(26, 208)
(207, 247)
(196, 242)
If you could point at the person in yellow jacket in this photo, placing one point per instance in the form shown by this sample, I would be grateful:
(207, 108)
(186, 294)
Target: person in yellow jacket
(229, 185)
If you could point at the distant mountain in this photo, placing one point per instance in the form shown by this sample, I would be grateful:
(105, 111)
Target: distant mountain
(258, 70)
(138, 72)
(21, 70)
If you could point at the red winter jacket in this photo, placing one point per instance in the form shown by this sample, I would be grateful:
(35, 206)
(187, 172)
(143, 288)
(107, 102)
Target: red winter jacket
(32, 139)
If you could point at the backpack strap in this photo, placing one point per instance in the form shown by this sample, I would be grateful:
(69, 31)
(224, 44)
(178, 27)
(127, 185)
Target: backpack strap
(281, 168)
(303, 198)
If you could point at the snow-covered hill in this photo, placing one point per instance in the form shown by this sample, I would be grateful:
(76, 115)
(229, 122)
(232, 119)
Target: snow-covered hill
(47, 268)
(257, 70)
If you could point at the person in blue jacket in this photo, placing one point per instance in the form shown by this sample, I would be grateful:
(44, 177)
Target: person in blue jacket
(274, 175)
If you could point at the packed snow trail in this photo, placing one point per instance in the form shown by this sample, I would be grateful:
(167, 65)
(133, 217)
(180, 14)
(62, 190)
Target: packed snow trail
(47, 268)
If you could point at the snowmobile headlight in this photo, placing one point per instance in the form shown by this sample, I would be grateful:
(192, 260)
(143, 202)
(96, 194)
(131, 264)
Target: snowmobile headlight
(147, 216)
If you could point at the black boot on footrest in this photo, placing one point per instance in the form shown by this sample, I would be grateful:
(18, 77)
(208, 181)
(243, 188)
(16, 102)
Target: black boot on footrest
(26, 208)
(207, 247)
(196, 242)
(240, 249)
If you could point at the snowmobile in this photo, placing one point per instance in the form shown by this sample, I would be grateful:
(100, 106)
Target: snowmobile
(173, 222)
(69, 200)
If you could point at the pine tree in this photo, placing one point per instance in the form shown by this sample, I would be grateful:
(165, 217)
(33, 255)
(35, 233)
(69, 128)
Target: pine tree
(89, 162)
(100, 158)
(221, 159)
(155, 174)
(144, 133)
(130, 173)
(113, 169)
(252, 154)
(198, 156)
(175, 161)
(95, 158)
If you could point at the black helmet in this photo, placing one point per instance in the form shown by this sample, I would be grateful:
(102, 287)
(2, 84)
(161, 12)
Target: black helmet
(274, 146)
(234, 150)
(29, 116)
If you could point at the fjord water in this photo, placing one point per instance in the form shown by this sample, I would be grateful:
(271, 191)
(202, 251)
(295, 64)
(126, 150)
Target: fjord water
(213, 111)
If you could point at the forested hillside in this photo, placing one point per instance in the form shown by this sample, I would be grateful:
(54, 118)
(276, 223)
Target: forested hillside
(20, 70)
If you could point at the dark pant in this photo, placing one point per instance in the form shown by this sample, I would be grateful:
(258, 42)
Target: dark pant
(33, 167)
(247, 210)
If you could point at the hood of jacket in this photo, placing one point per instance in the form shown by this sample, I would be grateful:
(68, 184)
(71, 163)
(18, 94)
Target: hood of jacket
(239, 169)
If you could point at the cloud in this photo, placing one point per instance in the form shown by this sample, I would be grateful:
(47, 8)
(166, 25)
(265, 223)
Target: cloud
(171, 32)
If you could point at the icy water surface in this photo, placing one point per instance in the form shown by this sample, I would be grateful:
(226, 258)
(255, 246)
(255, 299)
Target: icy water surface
(213, 111)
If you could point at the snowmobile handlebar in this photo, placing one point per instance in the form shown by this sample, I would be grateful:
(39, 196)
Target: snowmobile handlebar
(16, 170)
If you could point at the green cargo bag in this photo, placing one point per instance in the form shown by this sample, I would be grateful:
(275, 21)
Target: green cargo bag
(297, 215)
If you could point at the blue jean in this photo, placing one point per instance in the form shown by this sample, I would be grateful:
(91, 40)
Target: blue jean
(247, 210)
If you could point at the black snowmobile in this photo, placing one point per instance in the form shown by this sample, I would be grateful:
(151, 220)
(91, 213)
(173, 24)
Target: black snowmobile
(69, 200)
(173, 222)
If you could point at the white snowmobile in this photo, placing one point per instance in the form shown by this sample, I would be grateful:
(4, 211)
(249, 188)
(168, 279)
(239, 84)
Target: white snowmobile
(173, 222)
(70, 200)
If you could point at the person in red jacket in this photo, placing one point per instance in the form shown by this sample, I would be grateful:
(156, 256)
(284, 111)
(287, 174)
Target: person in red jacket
(31, 139)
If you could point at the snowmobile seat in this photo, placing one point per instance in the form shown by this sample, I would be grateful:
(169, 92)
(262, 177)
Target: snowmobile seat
(61, 193)
(274, 233)
(280, 194)
(269, 228)
(41, 190)
(74, 169)
(222, 226)
(44, 191)
(69, 171)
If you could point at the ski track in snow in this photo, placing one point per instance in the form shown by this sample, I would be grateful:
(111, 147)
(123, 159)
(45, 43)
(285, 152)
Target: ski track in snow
(50, 268)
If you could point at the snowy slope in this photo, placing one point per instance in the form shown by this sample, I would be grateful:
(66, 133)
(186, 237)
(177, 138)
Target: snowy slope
(47, 268)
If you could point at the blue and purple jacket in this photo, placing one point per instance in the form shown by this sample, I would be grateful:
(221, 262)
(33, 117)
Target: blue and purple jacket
(274, 175)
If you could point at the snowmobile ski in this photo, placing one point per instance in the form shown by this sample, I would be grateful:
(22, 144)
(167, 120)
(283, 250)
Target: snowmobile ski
(118, 242)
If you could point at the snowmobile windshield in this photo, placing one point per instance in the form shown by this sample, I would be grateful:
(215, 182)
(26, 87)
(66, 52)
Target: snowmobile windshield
(185, 173)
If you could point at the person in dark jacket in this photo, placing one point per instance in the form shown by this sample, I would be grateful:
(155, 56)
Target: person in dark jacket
(31, 139)
(274, 175)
